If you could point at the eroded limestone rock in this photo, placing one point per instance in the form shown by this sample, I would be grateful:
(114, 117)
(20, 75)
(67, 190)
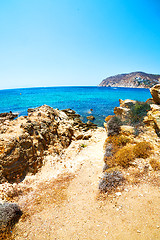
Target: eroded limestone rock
(128, 103)
(26, 139)
(127, 130)
(155, 92)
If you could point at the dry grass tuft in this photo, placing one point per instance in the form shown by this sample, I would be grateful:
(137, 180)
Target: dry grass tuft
(110, 180)
(124, 156)
(142, 149)
(119, 140)
(120, 152)
(116, 142)
(155, 164)
(113, 155)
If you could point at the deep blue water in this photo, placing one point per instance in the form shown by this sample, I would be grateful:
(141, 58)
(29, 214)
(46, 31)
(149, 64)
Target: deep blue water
(102, 100)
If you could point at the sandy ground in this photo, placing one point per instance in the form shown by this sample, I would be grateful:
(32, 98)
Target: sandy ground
(70, 207)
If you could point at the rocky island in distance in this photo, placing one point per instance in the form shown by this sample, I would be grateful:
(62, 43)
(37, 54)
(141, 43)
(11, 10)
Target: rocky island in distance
(131, 80)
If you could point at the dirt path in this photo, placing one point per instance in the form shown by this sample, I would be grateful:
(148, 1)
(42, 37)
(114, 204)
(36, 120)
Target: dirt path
(135, 214)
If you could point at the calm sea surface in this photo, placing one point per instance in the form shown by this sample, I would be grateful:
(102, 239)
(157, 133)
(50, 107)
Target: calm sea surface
(81, 99)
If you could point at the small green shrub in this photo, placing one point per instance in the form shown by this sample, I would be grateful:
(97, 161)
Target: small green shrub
(83, 145)
(138, 111)
(119, 140)
(142, 149)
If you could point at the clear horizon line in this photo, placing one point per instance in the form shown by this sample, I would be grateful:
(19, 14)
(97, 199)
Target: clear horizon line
(49, 86)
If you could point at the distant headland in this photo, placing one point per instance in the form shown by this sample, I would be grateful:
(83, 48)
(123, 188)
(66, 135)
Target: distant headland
(132, 80)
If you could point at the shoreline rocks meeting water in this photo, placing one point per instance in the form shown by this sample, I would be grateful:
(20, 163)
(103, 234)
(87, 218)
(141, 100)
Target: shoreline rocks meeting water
(25, 140)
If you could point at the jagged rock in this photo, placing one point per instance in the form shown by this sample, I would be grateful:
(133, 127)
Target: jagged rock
(126, 103)
(91, 125)
(90, 117)
(10, 214)
(79, 136)
(87, 136)
(150, 101)
(155, 107)
(71, 113)
(127, 130)
(121, 112)
(155, 92)
(82, 136)
(7, 116)
(110, 180)
(26, 139)
(153, 118)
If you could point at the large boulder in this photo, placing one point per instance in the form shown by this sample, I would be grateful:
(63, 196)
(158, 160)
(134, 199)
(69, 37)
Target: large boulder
(10, 214)
(128, 103)
(127, 130)
(124, 109)
(7, 116)
(121, 112)
(155, 92)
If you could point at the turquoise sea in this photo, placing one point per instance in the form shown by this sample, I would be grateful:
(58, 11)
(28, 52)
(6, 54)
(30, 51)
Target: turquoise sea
(101, 99)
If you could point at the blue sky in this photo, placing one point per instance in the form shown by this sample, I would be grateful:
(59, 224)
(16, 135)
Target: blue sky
(75, 42)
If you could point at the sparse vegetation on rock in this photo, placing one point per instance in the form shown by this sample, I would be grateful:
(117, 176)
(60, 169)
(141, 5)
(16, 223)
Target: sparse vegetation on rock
(125, 156)
(137, 112)
(128, 145)
(142, 149)
(118, 140)
(155, 164)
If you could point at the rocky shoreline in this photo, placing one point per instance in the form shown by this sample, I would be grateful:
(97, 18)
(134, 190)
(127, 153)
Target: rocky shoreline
(25, 140)
(37, 149)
